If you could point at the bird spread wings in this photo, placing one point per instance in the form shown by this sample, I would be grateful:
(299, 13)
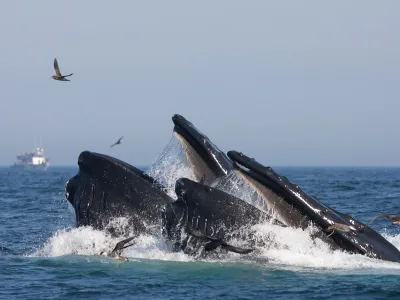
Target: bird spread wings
(56, 68)
(121, 245)
(389, 217)
(117, 142)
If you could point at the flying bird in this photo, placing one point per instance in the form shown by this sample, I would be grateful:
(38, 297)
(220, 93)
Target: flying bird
(117, 142)
(394, 218)
(58, 75)
(118, 249)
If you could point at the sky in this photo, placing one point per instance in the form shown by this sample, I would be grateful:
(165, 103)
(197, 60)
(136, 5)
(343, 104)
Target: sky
(285, 82)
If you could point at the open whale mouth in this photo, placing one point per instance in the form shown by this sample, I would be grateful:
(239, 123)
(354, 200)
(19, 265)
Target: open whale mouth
(208, 162)
(289, 192)
(274, 201)
(361, 239)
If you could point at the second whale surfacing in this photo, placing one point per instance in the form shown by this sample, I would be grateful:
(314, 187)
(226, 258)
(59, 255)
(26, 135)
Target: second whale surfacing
(206, 218)
(287, 196)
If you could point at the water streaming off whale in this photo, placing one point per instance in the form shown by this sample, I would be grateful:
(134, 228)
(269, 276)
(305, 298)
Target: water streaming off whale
(171, 165)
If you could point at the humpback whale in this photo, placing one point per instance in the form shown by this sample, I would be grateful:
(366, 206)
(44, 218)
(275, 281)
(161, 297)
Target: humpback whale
(360, 239)
(206, 218)
(106, 188)
(207, 161)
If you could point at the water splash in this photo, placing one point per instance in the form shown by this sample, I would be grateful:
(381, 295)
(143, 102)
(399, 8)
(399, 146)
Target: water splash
(170, 165)
(87, 241)
(82, 240)
(294, 247)
(234, 185)
(287, 248)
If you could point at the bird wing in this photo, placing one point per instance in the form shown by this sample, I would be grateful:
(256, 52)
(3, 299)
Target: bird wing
(117, 142)
(56, 68)
(120, 245)
(377, 217)
(392, 217)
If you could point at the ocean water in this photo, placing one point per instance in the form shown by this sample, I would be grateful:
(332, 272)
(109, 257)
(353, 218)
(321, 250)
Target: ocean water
(42, 255)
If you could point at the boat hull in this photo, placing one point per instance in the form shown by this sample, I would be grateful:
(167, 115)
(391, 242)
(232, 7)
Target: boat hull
(30, 167)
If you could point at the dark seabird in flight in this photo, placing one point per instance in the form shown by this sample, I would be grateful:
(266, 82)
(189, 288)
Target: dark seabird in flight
(58, 75)
(394, 218)
(117, 142)
(118, 249)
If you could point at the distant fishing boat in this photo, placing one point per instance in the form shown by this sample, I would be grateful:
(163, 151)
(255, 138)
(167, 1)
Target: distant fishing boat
(34, 160)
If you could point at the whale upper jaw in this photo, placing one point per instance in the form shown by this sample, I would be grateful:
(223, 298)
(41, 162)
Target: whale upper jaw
(207, 161)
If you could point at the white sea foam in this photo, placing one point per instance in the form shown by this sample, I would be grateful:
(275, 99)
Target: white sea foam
(289, 248)
(297, 248)
(86, 241)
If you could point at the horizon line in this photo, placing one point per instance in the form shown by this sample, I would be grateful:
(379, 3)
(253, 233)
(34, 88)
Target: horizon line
(275, 166)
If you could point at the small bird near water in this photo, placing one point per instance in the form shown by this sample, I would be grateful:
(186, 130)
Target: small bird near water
(117, 142)
(58, 75)
(394, 218)
(346, 228)
(116, 253)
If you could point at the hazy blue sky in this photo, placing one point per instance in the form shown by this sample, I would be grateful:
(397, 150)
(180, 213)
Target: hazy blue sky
(286, 82)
